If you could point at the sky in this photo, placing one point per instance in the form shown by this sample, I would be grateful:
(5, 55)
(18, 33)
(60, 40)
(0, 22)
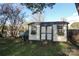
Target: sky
(59, 11)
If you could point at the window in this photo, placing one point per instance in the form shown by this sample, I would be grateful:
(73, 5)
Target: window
(60, 29)
(33, 30)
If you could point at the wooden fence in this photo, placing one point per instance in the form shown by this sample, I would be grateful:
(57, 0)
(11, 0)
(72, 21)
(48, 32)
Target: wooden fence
(73, 36)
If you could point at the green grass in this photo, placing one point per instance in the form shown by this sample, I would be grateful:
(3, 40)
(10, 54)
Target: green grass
(11, 48)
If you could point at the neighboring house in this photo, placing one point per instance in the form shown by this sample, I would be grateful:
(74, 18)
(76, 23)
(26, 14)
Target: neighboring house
(74, 25)
(54, 31)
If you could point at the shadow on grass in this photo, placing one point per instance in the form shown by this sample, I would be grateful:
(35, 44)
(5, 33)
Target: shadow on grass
(11, 48)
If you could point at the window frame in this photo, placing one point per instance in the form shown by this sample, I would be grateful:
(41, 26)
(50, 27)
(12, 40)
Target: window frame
(33, 30)
(60, 30)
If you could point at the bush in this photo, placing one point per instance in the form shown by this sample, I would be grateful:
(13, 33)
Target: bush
(24, 35)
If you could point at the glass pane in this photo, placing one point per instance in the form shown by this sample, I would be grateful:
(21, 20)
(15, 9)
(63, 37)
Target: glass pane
(49, 29)
(49, 36)
(43, 36)
(60, 30)
(33, 30)
(43, 29)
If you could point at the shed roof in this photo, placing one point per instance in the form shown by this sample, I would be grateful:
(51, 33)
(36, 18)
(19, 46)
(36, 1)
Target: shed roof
(49, 23)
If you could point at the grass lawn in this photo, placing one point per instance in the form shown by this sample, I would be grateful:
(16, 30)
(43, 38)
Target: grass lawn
(10, 47)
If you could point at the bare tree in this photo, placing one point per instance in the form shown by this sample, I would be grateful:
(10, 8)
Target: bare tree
(9, 12)
(4, 11)
(38, 17)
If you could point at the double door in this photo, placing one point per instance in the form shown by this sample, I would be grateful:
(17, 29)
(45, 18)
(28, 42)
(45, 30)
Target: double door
(46, 33)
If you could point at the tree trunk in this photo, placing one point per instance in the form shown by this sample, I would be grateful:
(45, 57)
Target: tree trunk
(3, 26)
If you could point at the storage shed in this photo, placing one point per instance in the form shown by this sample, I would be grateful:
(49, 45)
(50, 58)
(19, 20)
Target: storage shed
(54, 31)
